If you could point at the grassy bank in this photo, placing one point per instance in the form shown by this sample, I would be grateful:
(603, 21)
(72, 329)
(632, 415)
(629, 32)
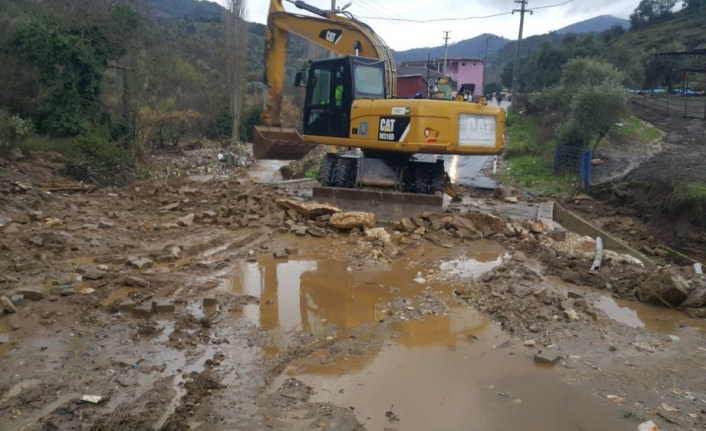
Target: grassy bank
(530, 153)
(530, 158)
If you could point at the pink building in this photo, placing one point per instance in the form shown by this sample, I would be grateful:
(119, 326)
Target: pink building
(465, 71)
(461, 69)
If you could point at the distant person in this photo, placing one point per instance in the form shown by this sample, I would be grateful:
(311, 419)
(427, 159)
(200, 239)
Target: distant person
(499, 97)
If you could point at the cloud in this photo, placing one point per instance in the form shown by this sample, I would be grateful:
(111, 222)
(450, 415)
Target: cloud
(381, 15)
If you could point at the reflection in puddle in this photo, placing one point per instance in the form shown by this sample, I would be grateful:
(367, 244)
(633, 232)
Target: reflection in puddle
(640, 315)
(444, 381)
(310, 294)
(620, 314)
(470, 268)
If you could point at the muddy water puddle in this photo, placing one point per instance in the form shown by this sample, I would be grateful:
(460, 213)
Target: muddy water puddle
(448, 370)
(434, 376)
(640, 315)
(117, 295)
(313, 293)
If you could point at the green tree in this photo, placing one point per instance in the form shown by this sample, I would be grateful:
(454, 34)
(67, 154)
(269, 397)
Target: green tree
(651, 10)
(70, 62)
(643, 13)
(589, 99)
(694, 4)
(596, 108)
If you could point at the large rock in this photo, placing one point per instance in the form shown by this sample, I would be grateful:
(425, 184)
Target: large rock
(33, 294)
(186, 221)
(308, 209)
(465, 228)
(378, 233)
(407, 225)
(7, 304)
(486, 223)
(696, 299)
(352, 220)
(665, 286)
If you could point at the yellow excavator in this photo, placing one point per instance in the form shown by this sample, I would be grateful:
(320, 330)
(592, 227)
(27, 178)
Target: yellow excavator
(350, 102)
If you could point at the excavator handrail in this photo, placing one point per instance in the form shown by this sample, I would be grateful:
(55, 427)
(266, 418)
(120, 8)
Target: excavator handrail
(353, 38)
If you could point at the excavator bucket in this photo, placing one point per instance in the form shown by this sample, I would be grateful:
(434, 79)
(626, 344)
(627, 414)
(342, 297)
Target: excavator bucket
(278, 143)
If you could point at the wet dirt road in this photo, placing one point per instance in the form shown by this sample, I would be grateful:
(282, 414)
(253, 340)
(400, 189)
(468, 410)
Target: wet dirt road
(230, 320)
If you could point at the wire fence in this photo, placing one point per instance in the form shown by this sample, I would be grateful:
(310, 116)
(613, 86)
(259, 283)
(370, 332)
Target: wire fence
(674, 105)
(574, 163)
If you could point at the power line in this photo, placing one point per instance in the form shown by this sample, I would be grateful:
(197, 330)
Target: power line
(380, 13)
(368, 9)
(437, 20)
(383, 7)
(423, 21)
(550, 6)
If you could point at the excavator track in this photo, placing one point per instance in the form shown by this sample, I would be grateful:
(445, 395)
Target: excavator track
(390, 188)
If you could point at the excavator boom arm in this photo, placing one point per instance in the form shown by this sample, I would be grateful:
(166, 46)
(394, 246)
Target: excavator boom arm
(338, 32)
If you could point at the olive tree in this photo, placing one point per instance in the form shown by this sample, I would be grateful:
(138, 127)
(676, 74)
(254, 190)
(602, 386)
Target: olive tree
(589, 99)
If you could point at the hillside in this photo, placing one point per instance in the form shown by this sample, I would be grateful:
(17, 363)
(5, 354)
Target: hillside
(473, 47)
(595, 25)
(686, 29)
(197, 10)
(499, 47)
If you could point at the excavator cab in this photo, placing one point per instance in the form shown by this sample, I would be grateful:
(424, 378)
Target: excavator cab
(333, 85)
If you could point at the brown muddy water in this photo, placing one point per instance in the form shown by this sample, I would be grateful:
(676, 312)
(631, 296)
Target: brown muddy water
(451, 370)
(641, 315)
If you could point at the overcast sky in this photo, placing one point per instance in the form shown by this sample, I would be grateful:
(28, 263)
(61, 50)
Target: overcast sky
(406, 35)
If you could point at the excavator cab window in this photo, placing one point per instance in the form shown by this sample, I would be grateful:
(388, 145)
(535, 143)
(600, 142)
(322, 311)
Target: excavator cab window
(369, 80)
(329, 98)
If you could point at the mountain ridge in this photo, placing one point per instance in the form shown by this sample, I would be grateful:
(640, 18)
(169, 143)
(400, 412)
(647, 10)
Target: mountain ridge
(475, 46)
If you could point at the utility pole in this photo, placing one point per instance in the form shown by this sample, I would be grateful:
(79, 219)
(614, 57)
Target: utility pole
(446, 48)
(485, 60)
(515, 72)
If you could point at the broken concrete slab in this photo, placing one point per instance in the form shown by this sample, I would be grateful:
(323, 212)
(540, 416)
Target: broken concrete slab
(62, 290)
(135, 281)
(308, 209)
(93, 275)
(299, 230)
(547, 358)
(186, 221)
(17, 299)
(316, 232)
(210, 301)
(31, 293)
(143, 263)
(144, 310)
(162, 306)
(170, 207)
(127, 305)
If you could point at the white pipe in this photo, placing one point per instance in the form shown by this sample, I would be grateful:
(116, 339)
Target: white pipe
(495, 164)
(599, 255)
(698, 269)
